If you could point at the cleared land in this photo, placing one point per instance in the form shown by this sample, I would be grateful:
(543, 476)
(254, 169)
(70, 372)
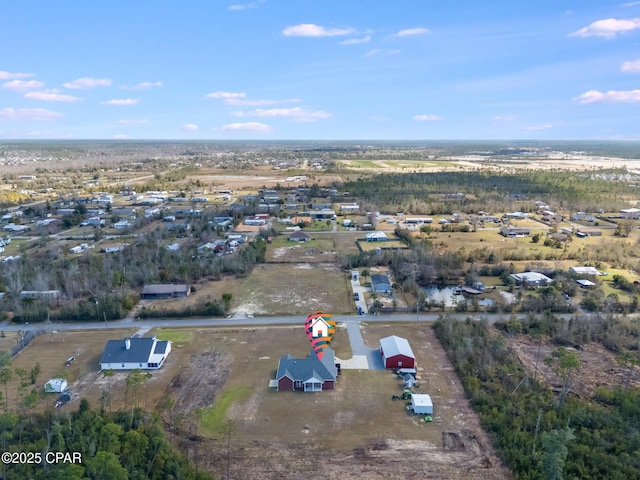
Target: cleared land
(354, 429)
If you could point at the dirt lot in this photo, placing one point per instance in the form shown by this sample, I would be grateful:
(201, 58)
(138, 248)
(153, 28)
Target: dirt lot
(51, 350)
(320, 250)
(353, 430)
(599, 367)
(346, 433)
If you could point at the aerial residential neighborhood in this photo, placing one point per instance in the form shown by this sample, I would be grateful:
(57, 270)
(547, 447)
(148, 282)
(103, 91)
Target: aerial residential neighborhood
(319, 240)
(188, 296)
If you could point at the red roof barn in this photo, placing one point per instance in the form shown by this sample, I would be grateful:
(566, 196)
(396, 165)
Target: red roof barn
(396, 353)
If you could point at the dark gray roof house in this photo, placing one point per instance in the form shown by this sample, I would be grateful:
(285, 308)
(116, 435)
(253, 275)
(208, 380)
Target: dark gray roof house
(165, 290)
(132, 353)
(299, 236)
(307, 374)
(380, 283)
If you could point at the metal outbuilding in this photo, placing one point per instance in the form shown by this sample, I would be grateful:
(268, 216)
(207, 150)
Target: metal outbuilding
(421, 404)
(396, 352)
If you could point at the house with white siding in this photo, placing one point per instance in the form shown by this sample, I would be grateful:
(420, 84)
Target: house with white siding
(135, 353)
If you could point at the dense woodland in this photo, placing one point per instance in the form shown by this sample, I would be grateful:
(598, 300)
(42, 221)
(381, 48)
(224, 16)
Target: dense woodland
(111, 279)
(114, 446)
(427, 193)
(542, 433)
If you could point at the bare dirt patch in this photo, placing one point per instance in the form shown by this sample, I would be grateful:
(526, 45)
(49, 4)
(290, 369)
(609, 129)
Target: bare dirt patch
(599, 367)
(316, 251)
(51, 351)
(354, 431)
(197, 383)
(292, 289)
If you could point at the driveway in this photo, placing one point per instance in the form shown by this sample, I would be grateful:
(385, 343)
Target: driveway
(360, 290)
(364, 357)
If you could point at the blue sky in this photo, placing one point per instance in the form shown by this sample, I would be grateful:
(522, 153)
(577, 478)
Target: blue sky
(320, 69)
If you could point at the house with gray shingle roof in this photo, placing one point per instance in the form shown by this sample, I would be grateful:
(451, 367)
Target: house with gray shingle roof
(307, 374)
(299, 236)
(132, 353)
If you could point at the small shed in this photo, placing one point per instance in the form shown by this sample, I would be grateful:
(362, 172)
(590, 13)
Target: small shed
(56, 385)
(421, 404)
(584, 283)
(409, 380)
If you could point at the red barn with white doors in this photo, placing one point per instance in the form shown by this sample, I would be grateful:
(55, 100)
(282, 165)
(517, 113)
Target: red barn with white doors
(396, 353)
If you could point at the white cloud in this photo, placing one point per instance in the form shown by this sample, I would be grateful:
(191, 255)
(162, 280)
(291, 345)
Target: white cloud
(22, 85)
(240, 99)
(34, 114)
(608, 28)
(313, 30)
(630, 4)
(631, 66)
(258, 102)
(379, 118)
(189, 127)
(382, 51)
(426, 118)
(612, 96)
(532, 128)
(356, 41)
(244, 6)
(226, 95)
(120, 136)
(410, 32)
(296, 113)
(133, 121)
(86, 83)
(11, 75)
(143, 86)
(121, 102)
(505, 118)
(249, 127)
(51, 96)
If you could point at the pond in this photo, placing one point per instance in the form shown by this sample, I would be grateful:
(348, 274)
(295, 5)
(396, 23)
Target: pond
(451, 297)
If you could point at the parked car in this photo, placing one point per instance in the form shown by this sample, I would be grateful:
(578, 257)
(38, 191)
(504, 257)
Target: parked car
(356, 296)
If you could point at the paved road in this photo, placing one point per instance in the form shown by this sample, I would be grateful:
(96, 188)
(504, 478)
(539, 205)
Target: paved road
(248, 321)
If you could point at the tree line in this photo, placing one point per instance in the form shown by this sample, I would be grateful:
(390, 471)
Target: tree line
(538, 432)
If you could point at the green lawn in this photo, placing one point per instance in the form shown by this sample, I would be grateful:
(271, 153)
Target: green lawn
(175, 335)
(213, 419)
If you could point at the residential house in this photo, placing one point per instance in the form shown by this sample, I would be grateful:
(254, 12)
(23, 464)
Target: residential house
(593, 271)
(531, 279)
(377, 237)
(135, 353)
(349, 208)
(380, 283)
(160, 291)
(299, 236)
(113, 247)
(513, 232)
(309, 374)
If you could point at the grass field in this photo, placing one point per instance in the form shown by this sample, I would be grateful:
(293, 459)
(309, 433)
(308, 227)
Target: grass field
(276, 289)
(319, 249)
(345, 243)
(295, 289)
(360, 407)
(391, 244)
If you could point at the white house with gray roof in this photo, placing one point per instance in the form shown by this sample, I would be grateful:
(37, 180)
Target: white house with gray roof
(132, 353)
